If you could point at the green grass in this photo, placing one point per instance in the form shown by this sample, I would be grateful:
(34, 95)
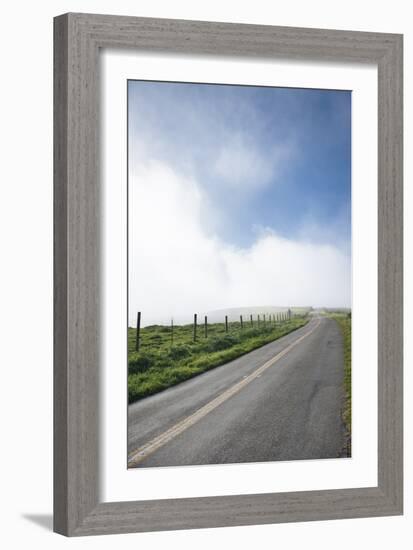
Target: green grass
(161, 362)
(344, 320)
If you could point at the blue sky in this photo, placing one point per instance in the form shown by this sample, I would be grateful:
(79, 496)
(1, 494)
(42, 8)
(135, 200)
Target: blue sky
(298, 142)
(238, 196)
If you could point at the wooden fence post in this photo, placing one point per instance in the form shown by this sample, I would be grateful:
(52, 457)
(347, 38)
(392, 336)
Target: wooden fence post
(195, 322)
(252, 322)
(138, 331)
(206, 326)
(226, 323)
(172, 331)
(240, 320)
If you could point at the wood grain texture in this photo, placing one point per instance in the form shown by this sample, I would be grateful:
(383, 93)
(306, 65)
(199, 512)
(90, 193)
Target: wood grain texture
(390, 273)
(78, 38)
(60, 485)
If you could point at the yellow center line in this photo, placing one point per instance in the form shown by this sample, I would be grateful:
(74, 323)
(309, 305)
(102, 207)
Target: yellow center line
(139, 454)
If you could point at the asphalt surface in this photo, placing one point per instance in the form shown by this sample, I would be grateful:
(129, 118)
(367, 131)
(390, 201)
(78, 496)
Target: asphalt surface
(289, 411)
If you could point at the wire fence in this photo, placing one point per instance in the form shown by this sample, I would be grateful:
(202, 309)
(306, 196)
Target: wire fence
(204, 329)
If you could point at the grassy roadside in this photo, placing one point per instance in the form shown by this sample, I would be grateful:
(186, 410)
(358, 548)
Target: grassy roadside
(163, 362)
(345, 324)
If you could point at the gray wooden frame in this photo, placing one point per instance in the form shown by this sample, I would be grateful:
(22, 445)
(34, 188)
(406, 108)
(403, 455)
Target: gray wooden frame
(78, 39)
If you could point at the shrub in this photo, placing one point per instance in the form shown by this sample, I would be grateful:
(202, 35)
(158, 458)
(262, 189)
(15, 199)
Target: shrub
(141, 362)
(179, 351)
(219, 344)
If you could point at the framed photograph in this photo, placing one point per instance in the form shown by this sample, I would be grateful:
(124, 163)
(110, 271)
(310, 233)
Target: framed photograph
(228, 274)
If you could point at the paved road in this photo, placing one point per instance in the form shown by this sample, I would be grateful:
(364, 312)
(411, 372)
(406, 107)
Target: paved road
(279, 402)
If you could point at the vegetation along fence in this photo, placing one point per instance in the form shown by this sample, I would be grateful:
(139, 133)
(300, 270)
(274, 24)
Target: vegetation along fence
(262, 321)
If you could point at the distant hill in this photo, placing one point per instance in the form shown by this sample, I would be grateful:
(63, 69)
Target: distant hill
(234, 313)
(218, 315)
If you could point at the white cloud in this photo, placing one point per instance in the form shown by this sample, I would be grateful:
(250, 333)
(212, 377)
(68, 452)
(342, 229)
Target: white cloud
(243, 165)
(177, 267)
